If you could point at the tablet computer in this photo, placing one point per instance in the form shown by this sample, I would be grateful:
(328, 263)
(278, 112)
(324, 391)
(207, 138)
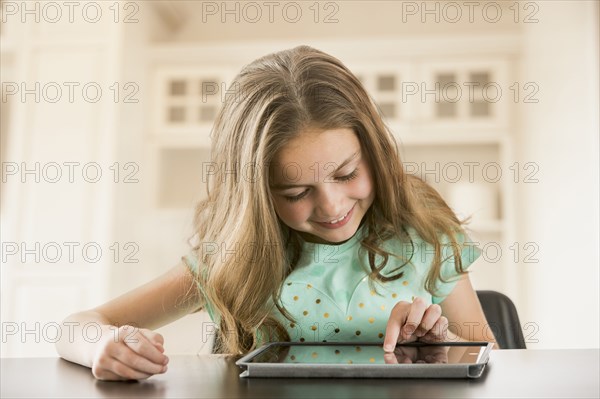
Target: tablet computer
(366, 360)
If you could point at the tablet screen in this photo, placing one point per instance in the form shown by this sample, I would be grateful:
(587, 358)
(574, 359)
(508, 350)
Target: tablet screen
(369, 354)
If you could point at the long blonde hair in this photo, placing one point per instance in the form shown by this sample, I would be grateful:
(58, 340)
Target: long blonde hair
(275, 98)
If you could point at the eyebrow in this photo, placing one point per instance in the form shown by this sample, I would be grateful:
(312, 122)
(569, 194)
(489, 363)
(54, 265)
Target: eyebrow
(346, 162)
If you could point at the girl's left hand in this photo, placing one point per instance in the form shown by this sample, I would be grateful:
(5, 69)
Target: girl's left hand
(414, 321)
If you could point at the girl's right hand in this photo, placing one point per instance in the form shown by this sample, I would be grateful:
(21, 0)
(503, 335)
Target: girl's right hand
(129, 353)
(416, 321)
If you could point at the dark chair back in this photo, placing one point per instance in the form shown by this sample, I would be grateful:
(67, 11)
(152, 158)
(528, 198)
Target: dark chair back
(503, 319)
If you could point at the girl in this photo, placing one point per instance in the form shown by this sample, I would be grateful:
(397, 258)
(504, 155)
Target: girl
(311, 231)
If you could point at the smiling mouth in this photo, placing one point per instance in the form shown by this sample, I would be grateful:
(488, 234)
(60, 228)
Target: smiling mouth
(338, 222)
(339, 219)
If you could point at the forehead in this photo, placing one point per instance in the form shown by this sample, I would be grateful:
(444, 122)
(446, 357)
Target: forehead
(320, 146)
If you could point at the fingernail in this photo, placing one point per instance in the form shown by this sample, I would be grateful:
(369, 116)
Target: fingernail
(387, 348)
(164, 369)
(166, 360)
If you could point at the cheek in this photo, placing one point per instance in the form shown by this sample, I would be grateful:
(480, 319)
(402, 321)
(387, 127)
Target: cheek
(362, 188)
(292, 213)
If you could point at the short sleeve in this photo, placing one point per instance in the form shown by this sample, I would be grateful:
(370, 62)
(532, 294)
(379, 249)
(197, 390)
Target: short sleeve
(469, 252)
(191, 261)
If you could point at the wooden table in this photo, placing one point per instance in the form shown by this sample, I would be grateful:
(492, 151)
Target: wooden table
(572, 373)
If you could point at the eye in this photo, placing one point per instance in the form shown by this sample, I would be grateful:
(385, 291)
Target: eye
(348, 177)
(342, 179)
(297, 197)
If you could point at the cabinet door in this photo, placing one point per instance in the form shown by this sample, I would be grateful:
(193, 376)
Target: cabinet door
(384, 81)
(187, 100)
(463, 95)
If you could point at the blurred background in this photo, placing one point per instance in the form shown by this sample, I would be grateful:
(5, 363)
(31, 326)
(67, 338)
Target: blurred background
(107, 108)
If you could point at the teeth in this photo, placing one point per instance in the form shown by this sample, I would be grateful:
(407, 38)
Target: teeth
(338, 220)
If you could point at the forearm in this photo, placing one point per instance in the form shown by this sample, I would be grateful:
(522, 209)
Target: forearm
(81, 335)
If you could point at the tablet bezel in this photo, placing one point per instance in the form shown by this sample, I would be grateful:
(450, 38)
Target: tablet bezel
(427, 370)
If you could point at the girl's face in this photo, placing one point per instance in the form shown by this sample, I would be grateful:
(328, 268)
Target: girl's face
(321, 185)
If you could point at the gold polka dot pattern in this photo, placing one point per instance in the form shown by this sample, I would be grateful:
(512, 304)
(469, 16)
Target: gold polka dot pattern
(331, 298)
(328, 282)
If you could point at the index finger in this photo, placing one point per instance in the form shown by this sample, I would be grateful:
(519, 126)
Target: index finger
(153, 336)
(390, 358)
(414, 318)
(395, 322)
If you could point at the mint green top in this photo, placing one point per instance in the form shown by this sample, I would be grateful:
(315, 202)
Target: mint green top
(328, 292)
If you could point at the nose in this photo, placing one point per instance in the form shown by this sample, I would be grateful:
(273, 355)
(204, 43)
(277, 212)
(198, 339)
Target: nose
(329, 203)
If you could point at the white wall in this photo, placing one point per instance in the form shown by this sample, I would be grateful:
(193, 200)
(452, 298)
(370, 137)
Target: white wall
(560, 213)
(340, 19)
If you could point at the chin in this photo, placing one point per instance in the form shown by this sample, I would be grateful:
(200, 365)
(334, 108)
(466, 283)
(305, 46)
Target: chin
(337, 236)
